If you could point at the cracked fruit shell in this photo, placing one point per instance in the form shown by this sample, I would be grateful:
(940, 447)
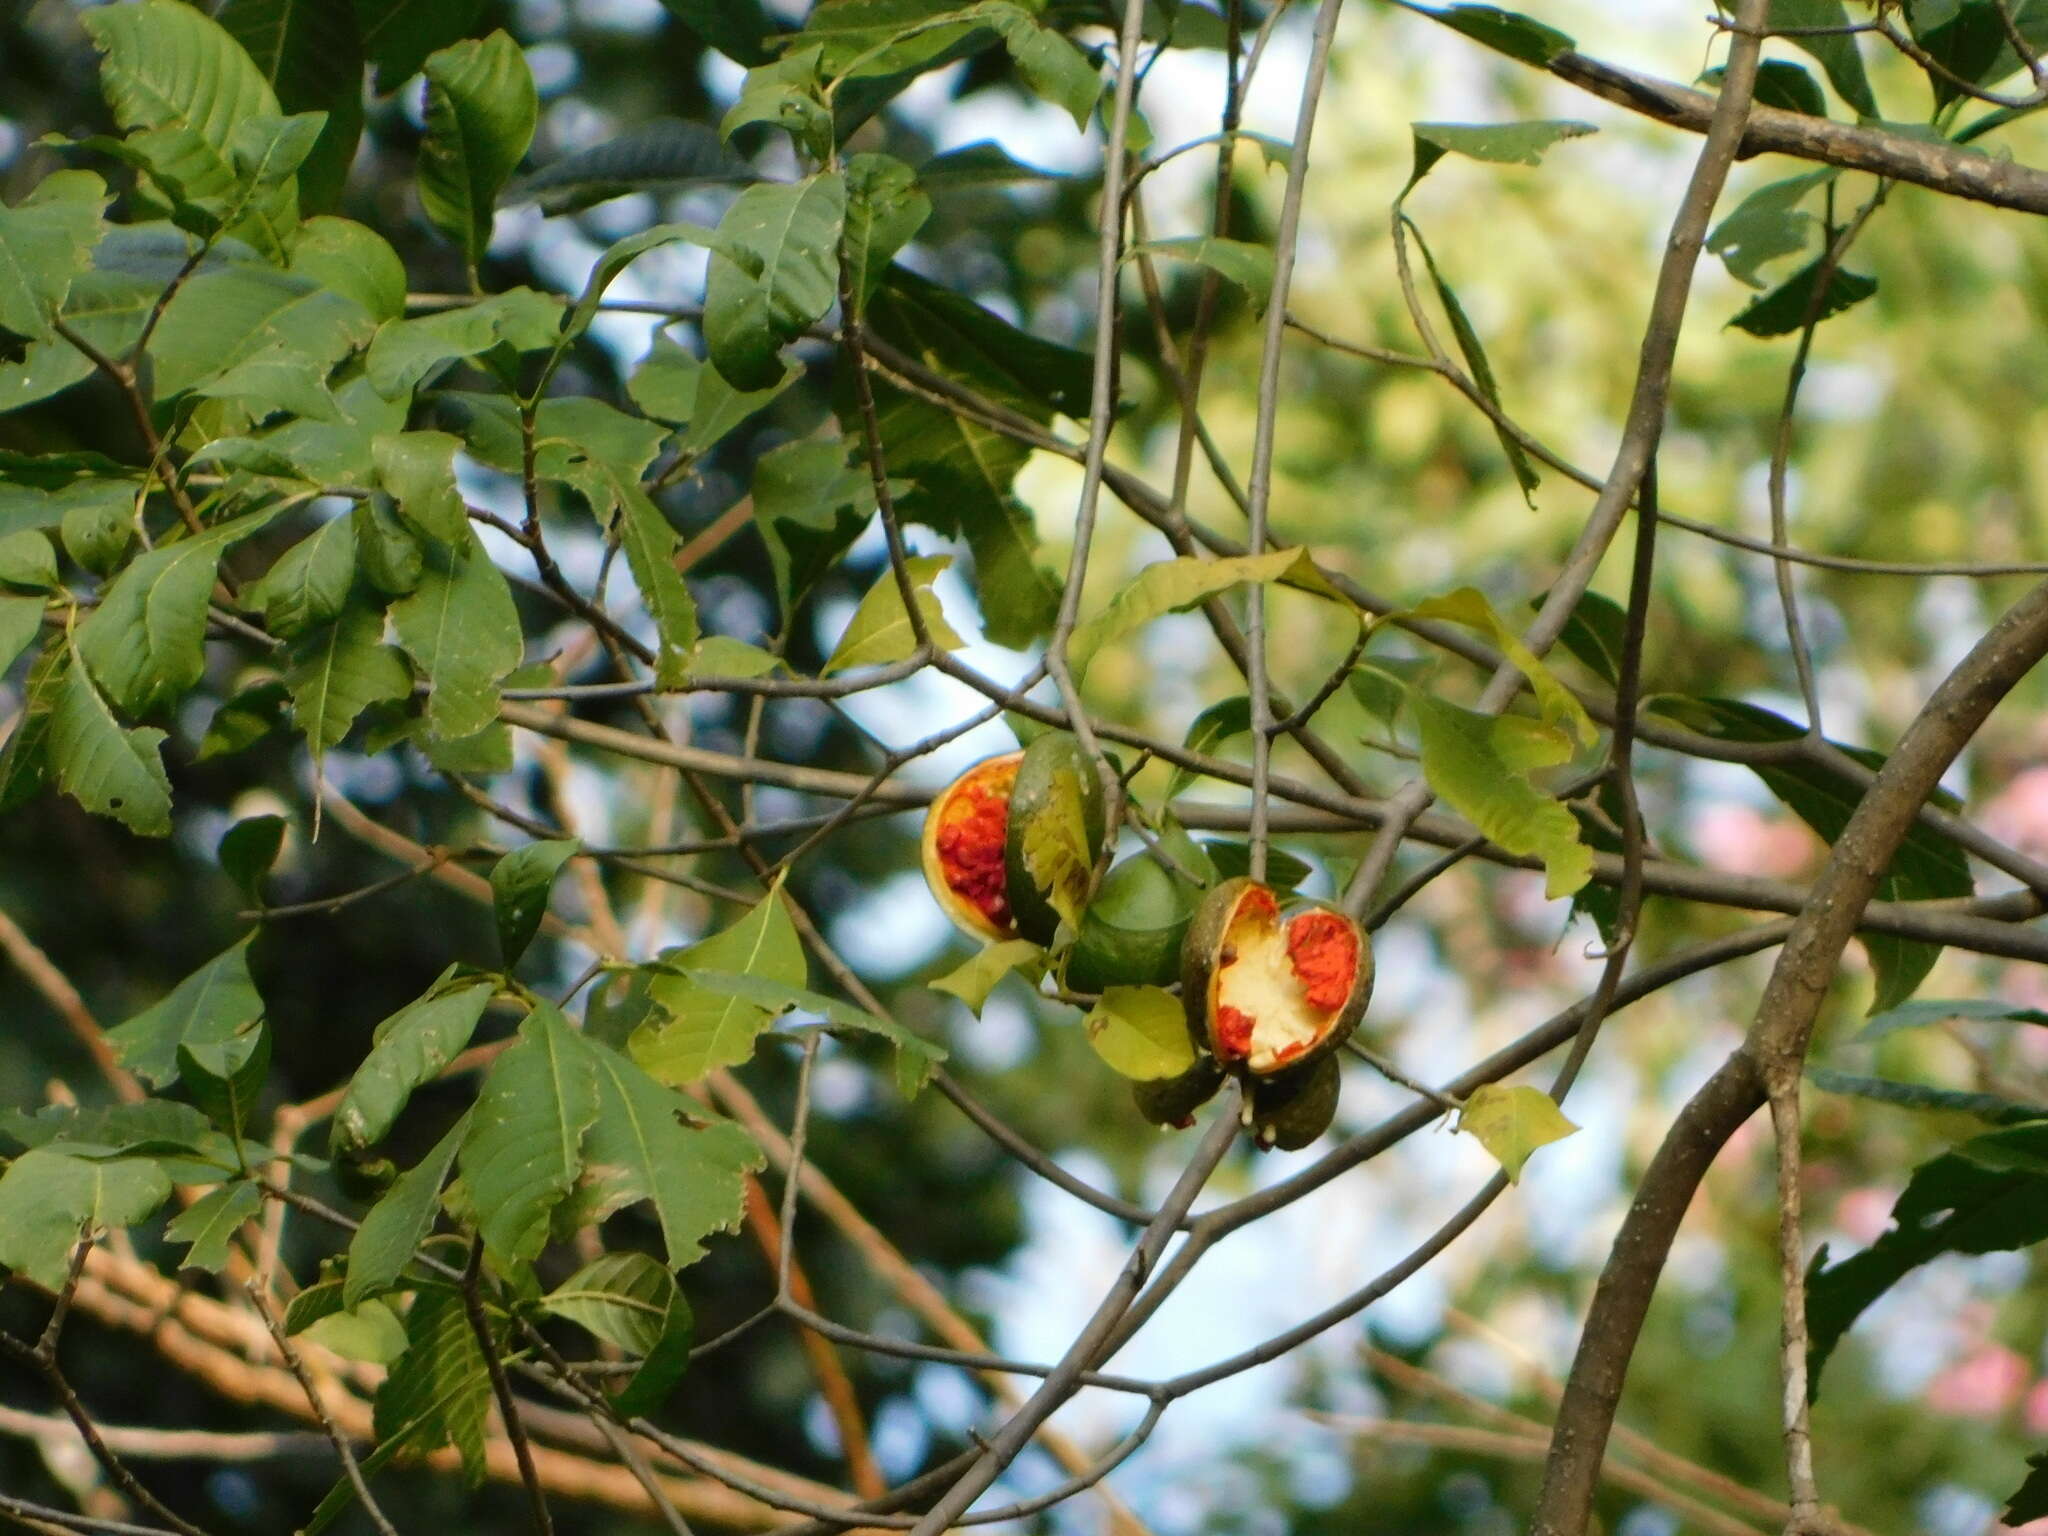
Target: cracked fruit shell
(1267, 991)
(973, 849)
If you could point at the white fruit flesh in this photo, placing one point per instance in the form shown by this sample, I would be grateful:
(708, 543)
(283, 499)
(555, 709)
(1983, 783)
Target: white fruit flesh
(1255, 981)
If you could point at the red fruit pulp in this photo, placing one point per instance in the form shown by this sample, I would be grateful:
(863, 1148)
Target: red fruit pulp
(1323, 950)
(976, 818)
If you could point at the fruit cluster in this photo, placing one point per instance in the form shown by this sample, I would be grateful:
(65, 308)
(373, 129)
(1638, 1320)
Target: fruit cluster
(1270, 993)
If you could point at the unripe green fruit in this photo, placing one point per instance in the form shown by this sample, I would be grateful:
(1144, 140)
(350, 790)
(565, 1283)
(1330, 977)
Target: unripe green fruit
(1132, 934)
(1043, 764)
(1291, 1110)
(1172, 1101)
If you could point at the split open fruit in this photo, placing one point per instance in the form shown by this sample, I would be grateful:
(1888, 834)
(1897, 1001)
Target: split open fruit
(1264, 993)
(976, 838)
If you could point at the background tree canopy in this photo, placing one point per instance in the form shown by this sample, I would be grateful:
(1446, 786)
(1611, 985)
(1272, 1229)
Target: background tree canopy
(512, 514)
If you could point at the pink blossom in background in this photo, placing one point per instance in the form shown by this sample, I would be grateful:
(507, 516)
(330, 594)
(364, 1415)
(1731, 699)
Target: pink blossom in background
(1741, 840)
(2036, 1410)
(1982, 1385)
(2031, 1528)
(2018, 813)
(1864, 1214)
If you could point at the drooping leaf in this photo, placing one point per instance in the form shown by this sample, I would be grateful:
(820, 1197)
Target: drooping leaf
(1820, 28)
(881, 630)
(631, 1302)
(1989, 1195)
(1171, 586)
(520, 884)
(736, 28)
(1140, 1032)
(481, 110)
(311, 53)
(775, 273)
(1785, 308)
(1969, 41)
(1051, 65)
(1522, 143)
(695, 1031)
(337, 672)
(1242, 262)
(1594, 633)
(440, 1389)
(105, 767)
(49, 1200)
(408, 1050)
(1940, 1010)
(1992, 1108)
(1477, 764)
(1219, 722)
(1512, 1122)
(1468, 606)
(398, 35)
(1779, 83)
(46, 241)
(524, 1149)
(973, 979)
(399, 1222)
(215, 1003)
(1056, 851)
(666, 156)
(1508, 32)
(460, 626)
(648, 1143)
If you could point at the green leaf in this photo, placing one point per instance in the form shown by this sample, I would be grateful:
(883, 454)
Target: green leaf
(398, 35)
(481, 110)
(2029, 1501)
(407, 1051)
(105, 768)
(21, 620)
(440, 1389)
(406, 353)
(787, 93)
(49, 1200)
(46, 240)
(25, 765)
(1471, 762)
(774, 275)
(225, 1077)
(1511, 1123)
(1786, 307)
(650, 545)
(1171, 586)
(880, 630)
(418, 469)
(1522, 143)
(210, 1223)
(974, 979)
(524, 1148)
(1141, 1032)
(1940, 1010)
(1781, 84)
(915, 1057)
(159, 1128)
(666, 155)
(649, 1144)
(107, 308)
(1768, 224)
(222, 322)
(311, 53)
(184, 84)
(1468, 606)
(1053, 67)
(1209, 730)
(215, 1003)
(28, 561)
(352, 260)
(723, 656)
(631, 1302)
(371, 1333)
(248, 849)
(810, 506)
(1508, 32)
(736, 28)
(1248, 265)
(1820, 28)
(459, 624)
(520, 883)
(245, 719)
(336, 673)
(1927, 866)
(1474, 351)
(1989, 1195)
(399, 1222)
(698, 1032)
(310, 582)
(885, 208)
(1969, 40)
(83, 503)
(146, 641)
(1594, 633)
(1993, 1108)
(389, 554)
(1231, 858)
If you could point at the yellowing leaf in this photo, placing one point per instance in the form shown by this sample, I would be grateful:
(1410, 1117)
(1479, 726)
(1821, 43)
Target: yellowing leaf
(1474, 763)
(973, 981)
(1469, 607)
(1056, 853)
(1172, 585)
(881, 633)
(1511, 1123)
(1141, 1032)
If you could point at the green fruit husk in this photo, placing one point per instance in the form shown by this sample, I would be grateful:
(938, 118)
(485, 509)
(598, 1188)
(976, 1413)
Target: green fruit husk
(1172, 1101)
(1132, 933)
(1291, 1109)
(1050, 754)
